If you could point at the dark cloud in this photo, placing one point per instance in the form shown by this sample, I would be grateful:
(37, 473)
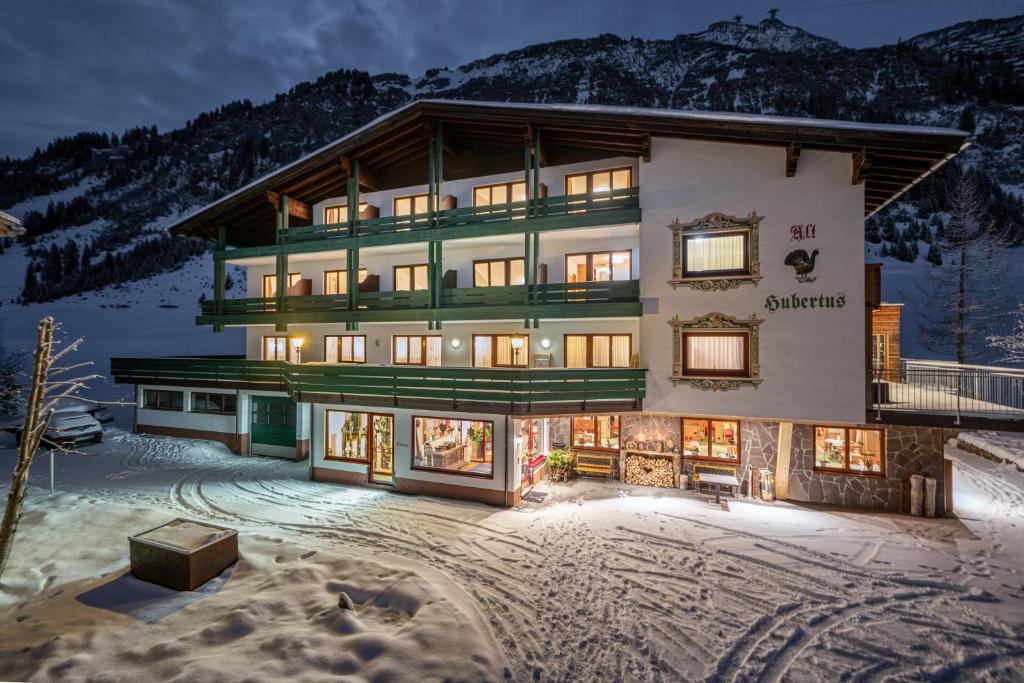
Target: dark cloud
(69, 65)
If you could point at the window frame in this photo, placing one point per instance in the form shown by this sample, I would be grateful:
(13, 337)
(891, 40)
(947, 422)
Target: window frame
(207, 394)
(423, 349)
(590, 177)
(146, 393)
(266, 279)
(846, 470)
(362, 207)
(493, 337)
(593, 449)
(342, 277)
(287, 349)
(415, 446)
(590, 264)
(369, 435)
(490, 188)
(688, 372)
(508, 269)
(708, 426)
(745, 270)
(590, 349)
(412, 277)
(412, 204)
(339, 337)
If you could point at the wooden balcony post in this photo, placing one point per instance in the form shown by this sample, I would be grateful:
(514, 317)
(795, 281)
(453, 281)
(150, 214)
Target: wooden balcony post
(353, 198)
(526, 174)
(352, 274)
(535, 193)
(535, 266)
(278, 233)
(438, 273)
(219, 277)
(281, 277)
(527, 272)
(439, 167)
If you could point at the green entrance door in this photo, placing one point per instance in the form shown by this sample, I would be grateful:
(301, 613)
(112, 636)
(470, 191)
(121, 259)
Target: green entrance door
(272, 430)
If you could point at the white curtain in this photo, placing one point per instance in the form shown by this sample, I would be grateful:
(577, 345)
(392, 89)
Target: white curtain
(620, 350)
(358, 349)
(331, 350)
(401, 350)
(504, 351)
(434, 351)
(602, 350)
(482, 352)
(710, 352)
(714, 253)
(576, 351)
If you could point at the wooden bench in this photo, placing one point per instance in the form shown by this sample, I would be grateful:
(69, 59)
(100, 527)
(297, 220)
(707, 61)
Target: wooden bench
(594, 464)
(699, 468)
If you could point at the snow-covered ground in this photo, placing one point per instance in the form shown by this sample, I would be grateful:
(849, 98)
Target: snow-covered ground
(598, 582)
(1006, 446)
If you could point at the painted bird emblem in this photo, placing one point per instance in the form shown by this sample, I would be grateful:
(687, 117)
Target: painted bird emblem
(802, 263)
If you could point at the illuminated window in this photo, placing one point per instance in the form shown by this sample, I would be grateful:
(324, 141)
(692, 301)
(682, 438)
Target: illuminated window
(410, 278)
(416, 350)
(598, 350)
(347, 348)
(410, 205)
(275, 348)
(502, 193)
(336, 281)
(711, 439)
(361, 437)
(851, 451)
(599, 266)
(270, 284)
(499, 272)
(722, 354)
(501, 350)
(453, 446)
(599, 181)
(339, 214)
(600, 432)
(715, 254)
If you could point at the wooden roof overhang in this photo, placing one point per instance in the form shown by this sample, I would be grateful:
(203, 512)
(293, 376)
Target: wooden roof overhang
(482, 138)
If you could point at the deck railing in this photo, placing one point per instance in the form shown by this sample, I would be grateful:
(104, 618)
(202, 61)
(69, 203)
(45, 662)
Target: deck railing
(952, 389)
(344, 383)
(620, 291)
(563, 205)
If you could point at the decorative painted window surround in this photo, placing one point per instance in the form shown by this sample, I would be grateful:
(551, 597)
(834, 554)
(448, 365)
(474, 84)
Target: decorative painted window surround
(714, 322)
(710, 225)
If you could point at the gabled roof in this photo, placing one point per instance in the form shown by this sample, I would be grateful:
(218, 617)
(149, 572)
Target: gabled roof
(10, 226)
(488, 137)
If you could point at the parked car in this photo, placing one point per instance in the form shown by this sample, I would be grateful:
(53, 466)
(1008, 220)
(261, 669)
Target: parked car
(98, 411)
(72, 423)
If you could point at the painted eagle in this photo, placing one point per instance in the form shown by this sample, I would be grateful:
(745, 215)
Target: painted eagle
(801, 262)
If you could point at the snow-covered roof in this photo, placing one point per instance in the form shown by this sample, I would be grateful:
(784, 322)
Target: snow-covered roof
(10, 226)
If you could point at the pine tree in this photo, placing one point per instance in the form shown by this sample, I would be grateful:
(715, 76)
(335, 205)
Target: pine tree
(10, 387)
(934, 256)
(967, 121)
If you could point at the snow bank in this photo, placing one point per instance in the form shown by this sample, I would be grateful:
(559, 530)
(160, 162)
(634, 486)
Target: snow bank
(1007, 447)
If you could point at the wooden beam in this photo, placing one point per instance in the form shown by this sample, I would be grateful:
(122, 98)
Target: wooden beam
(646, 148)
(367, 177)
(296, 208)
(861, 163)
(792, 159)
(536, 146)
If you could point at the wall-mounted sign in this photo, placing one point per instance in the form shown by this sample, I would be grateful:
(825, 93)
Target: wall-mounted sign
(802, 263)
(795, 302)
(799, 233)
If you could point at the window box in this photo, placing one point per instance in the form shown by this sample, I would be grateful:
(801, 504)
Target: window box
(716, 252)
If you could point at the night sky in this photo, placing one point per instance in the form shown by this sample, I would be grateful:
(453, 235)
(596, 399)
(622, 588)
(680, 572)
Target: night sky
(105, 65)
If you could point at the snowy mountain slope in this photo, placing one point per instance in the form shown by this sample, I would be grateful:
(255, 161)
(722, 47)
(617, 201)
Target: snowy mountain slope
(120, 189)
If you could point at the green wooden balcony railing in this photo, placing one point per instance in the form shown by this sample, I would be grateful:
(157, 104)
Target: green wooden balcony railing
(498, 389)
(560, 300)
(563, 205)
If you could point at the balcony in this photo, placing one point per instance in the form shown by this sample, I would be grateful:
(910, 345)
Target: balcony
(537, 391)
(934, 393)
(613, 206)
(557, 300)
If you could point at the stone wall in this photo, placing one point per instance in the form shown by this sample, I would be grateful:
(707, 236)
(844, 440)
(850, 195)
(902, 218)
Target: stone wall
(641, 427)
(908, 450)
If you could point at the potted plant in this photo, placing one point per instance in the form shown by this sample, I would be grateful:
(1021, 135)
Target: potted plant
(560, 464)
(478, 435)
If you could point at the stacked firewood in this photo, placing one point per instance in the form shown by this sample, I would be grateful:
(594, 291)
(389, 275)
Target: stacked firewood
(649, 471)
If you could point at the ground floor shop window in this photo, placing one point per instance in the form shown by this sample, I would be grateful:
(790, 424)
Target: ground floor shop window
(855, 451)
(161, 399)
(349, 348)
(215, 404)
(711, 439)
(453, 445)
(360, 437)
(600, 432)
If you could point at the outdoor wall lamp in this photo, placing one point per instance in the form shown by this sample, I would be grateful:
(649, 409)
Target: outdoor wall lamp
(297, 350)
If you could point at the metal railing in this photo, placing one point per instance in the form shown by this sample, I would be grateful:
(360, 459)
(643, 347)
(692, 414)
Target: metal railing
(454, 385)
(942, 388)
(562, 205)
